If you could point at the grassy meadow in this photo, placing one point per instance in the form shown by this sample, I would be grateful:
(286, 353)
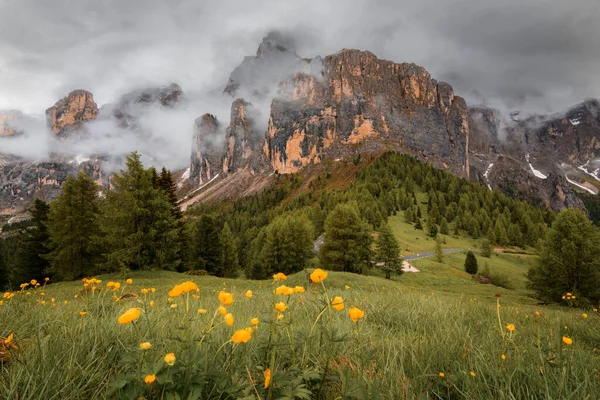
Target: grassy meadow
(433, 334)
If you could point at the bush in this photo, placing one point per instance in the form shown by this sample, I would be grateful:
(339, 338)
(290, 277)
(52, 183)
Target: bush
(471, 263)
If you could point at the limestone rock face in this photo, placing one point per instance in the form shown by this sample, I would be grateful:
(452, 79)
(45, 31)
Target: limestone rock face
(359, 98)
(7, 119)
(69, 113)
(207, 153)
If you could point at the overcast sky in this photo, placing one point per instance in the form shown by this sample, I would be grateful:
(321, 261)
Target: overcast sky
(536, 55)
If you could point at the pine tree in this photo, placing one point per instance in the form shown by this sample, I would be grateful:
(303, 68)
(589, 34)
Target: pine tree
(141, 232)
(471, 263)
(444, 230)
(347, 244)
(208, 246)
(33, 248)
(229, 255)
(388, 252)
(74, 230)
(439, 252)
(570, 260)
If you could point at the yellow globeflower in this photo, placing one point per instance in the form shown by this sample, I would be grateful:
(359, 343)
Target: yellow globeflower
(267, 375)
(510, 327)
(222, 310)
(503, 356)
(567, 340)
(472, 373)
(46, 279)
(202, 311)
(130, 315)
(153, 290)
(248, 294)
(280, 276)
(9, 338)
(356, 314)
(254, 321)
(33, 282)
(537, 314)
(170, 359)
(145, 346)
(318, 275)
(299, 289)
(144, 291)
(42, 302)
(241, 336)
(152, 303)
(150, 378)
(65, 302)
(337, 303)
(584, 315)
(116, 286)
(174, 305)
(281, 290)
(225, 298)
(348, 287)
(229, 319)
(82, 313)
(279, 317)
(129, 281)
(281, 307)
(442, 375)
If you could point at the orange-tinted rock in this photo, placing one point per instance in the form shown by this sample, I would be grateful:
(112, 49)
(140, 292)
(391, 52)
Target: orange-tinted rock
(207, 150)
(70, 112)
(6, 117)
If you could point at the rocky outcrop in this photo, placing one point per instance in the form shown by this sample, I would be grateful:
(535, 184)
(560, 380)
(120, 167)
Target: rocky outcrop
(358, 98)
(7, 122)
(69, 113)
(207, 153)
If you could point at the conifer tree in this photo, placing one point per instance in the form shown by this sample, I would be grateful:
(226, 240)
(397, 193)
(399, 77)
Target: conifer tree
(74, 230)
(439, 252)
(3, 268)
(388, 252)
(471, 263)
(208, 246)
(32, 259)
(141, 232)
(444, 230)
(486, 248)
(229, 255)
(347, 244)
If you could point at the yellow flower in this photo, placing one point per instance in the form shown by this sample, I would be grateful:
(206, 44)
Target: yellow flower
(537, 314)
(472, 373)
(144, 291)
(503, 356)
(510, 327)
(299, 289)
(567, 340)
(174, 305)
(42, 302)
(153, 290)
(254, 321)
(442, 375)
(33, 282)
(170, 299)
(52, 300)
(145, 346)
(318, 275)
(150, 378)
(130, 315)
(117, 286)
(222, 310)
(584, 316)
(279, 317)
(82, 313)
(9, 338)
(24, 285)
(281, 290)
(348, 287)
(152, 303)
(281, 307)
(229, 319)
(280, 276)
(202, 311)
(185, 287)
(241, 336)
(267, 375)
(356, 314)
(337, 303)
(129, 281)
(225, 298)
(248, 294)
(46, 279)
(170, 359)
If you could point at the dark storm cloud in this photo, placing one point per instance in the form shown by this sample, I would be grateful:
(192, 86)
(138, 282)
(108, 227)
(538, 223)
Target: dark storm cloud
(534, 55)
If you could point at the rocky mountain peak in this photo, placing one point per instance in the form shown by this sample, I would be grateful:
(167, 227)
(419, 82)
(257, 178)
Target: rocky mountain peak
(7, 119)
(71, 111)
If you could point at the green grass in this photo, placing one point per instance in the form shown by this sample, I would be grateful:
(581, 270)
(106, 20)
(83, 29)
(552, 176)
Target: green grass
(414, 328)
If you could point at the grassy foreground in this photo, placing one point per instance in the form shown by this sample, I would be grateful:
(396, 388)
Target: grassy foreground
(412, 342)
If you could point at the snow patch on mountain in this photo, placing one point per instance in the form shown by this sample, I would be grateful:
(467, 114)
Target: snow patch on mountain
(486, 175)
(537, 173)
(579, 186)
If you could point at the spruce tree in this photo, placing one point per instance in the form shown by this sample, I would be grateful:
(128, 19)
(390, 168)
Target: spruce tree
(486, 248)
(32, 258)
(141, 232)
(471, 263)
(439, 252)
(388, 252)
(347, 244)
(74, 230)
(165, 182)
(229, 255)
(208, 247)
(444, 230)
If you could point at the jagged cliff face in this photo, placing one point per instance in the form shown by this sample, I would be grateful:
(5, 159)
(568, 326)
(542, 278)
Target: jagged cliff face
(207, 153)
(359, 98)
(69, 113)
(7, 120)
